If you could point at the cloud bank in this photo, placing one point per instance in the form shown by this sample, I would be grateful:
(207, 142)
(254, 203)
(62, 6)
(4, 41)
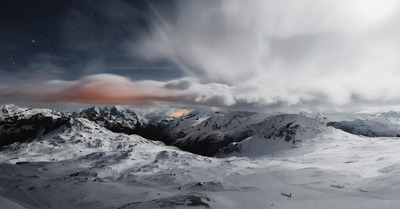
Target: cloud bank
(304, 54)
(113, 89)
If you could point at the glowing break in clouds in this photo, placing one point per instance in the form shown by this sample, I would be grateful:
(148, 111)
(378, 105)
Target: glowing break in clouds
(179, 112)
(307, 54)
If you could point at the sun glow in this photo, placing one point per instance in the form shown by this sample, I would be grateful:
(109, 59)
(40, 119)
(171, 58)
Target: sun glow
(180, 112)
(375, 10)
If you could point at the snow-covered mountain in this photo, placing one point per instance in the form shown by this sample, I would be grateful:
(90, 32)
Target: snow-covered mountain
(73, 161)
(198, 132)
(23, 124)
(208, 134)
(268, 135)
(381, 125)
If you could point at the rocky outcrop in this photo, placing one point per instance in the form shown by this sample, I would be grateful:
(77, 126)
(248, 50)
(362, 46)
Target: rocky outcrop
(16, 129)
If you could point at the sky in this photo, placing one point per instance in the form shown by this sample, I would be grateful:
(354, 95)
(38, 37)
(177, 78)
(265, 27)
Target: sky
(259, 55)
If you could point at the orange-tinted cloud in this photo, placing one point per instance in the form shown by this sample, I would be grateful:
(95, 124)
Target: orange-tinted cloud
(106, 89)
(113, 89)
(180, 112)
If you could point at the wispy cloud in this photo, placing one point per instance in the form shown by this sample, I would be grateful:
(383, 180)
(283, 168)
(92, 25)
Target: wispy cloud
(305, 54)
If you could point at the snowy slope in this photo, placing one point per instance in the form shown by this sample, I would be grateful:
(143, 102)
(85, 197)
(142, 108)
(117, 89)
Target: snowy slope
(274, 134)
(71, 161)
(12, 111)
(84, 165)
(378, 125)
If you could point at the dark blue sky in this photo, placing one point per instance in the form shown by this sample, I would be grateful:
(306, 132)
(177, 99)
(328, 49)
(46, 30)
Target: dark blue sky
(63, 39)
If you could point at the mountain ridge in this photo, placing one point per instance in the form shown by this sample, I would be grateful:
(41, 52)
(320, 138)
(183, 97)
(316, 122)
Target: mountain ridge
(198, 132)
(82, 164)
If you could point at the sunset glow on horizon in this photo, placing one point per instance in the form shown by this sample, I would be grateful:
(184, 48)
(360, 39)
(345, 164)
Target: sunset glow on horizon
(180, 112)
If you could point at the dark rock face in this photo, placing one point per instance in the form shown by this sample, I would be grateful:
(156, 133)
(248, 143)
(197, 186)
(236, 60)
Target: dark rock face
(214, 133)
(15, 129)
(116, 120)
(208, 144)
(191, 200)
(280, 126)
(124, 121)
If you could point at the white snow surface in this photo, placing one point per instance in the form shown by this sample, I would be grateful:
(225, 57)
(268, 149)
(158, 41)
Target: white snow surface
(23, 113)
(87, 166)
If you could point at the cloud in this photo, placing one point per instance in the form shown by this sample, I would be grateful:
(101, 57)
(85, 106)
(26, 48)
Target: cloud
(262, 55)
(300, 54)
(105, 89)
(179, 112)
(113, 89)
